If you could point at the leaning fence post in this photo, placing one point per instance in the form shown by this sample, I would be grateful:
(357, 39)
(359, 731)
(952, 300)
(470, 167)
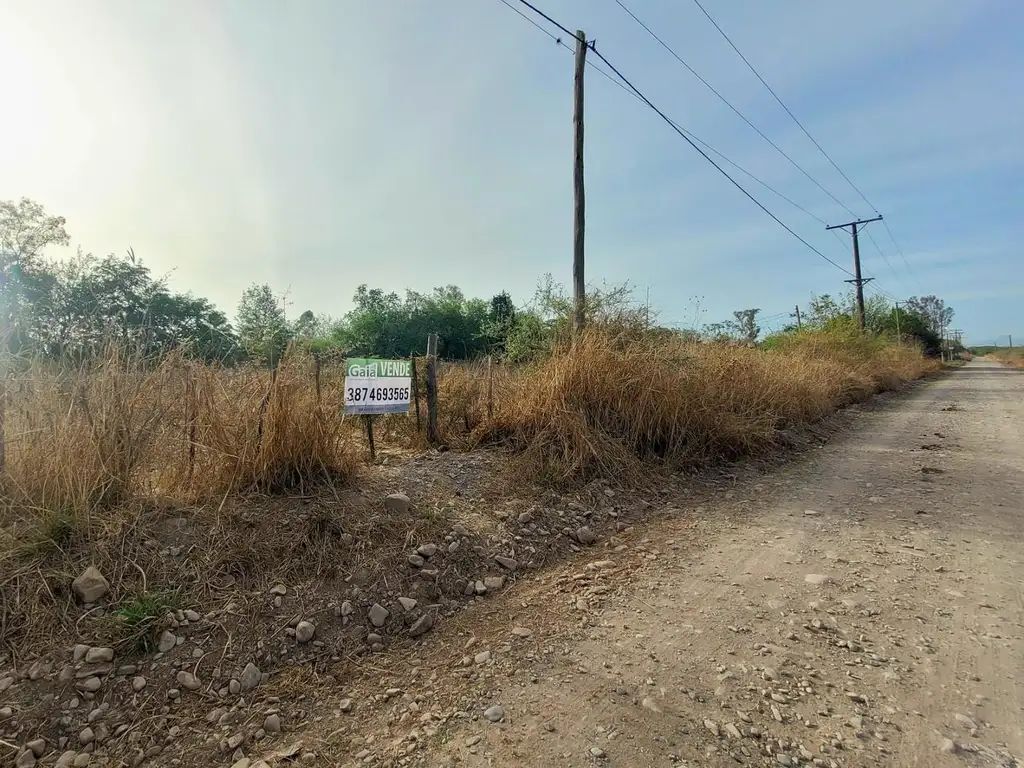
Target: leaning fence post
(432, 436)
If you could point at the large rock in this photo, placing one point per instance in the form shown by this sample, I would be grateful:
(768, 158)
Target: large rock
(304, 631)
(398, 503)
(586, 536)
(408, 603)
(427, 550)
(166, 642)
(494, 583)
(422, 625)
(91, 585)
(251, 677)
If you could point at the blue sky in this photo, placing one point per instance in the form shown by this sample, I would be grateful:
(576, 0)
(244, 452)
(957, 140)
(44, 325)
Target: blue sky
(321, 144)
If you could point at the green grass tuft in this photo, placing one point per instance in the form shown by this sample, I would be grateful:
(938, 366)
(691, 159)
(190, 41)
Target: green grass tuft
(139, 618)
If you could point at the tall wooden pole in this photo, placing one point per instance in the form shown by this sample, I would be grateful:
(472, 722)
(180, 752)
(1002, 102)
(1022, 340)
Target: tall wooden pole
(578, 283)
(858, 280)
(432, 436)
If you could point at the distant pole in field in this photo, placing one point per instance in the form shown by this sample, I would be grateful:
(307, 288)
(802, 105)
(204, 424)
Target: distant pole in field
(432, 436)
(579, 204)
(799, 320)
(898, 336)
(857, 279)
(1011, 341)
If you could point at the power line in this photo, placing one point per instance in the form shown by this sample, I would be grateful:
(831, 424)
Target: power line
(686, 138)
(707, 157)
(731, 106)
(544, 16)
(900, 252)
(704, 144)
(673, 123)
(783, 105)
(807, 133)
(679, 58)
(882, 254)
(556, 38)
(639, 94)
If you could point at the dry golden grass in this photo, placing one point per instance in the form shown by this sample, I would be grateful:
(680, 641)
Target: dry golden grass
(118, 432)
(1013, 357)
(603, 407)
(101, 459)
(92, 438)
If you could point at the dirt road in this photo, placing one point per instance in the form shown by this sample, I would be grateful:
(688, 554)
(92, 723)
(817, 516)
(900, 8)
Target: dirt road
(859, 607)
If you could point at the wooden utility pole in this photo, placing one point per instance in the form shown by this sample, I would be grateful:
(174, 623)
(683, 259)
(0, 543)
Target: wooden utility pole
(432, 437)
(899, 337)
(857, 279)
(1011, 341)
(579, 205)
(799, 321)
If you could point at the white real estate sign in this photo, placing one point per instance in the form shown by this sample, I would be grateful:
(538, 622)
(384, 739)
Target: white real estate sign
(377, 386)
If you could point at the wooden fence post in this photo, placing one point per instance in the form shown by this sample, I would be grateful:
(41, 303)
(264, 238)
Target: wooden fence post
(416, 394)
(490, 387)
(369, 436)
(432, 436)
(3, 416)
(191, 414)
(316, 377)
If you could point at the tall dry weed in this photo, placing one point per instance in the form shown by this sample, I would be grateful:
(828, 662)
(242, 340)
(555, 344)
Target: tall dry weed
(603, 406)
(1011, 356)
(79, 440)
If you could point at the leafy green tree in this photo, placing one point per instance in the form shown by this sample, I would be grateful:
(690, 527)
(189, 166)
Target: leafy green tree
(382, 324)
(877, 310)
(501, 319)
(310, 326)
(26, 230)
(372, 327)
(912, 326)
(822, 310)
(745, 325)
(72, 308)
(262, 328)
(933, 310)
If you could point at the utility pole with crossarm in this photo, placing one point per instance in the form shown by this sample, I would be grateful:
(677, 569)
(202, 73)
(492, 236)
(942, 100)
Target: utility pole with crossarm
(857, 279)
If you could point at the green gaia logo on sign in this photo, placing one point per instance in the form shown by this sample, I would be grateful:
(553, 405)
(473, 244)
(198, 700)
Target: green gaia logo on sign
(374, 386)
(362, 368)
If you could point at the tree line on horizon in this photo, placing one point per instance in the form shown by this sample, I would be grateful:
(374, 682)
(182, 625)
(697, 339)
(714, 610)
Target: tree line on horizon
(71, 309)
